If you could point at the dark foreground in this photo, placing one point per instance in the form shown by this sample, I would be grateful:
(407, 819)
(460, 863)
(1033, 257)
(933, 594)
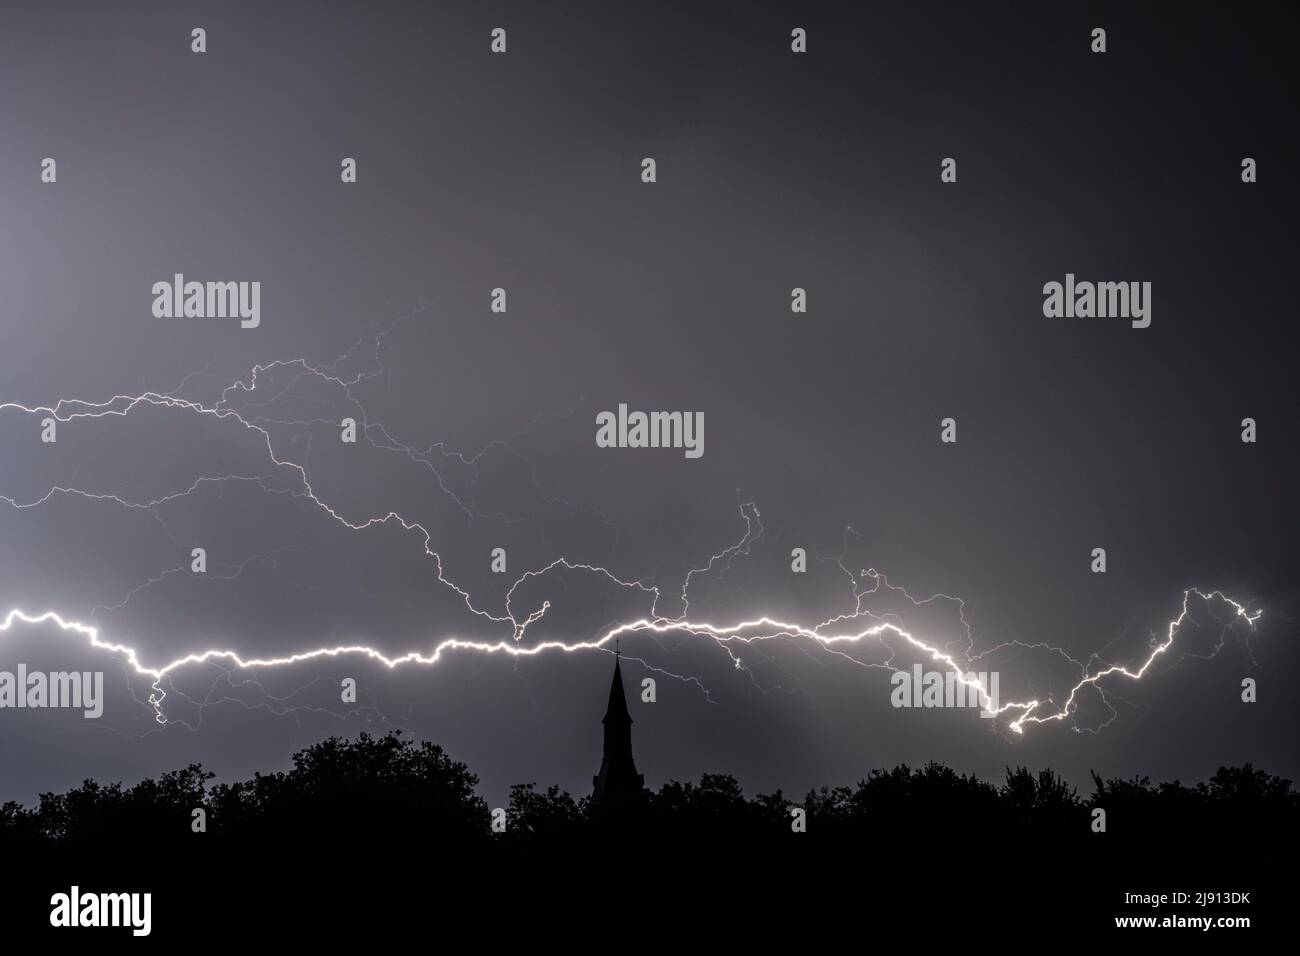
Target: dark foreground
(380, 839)
(928, 888)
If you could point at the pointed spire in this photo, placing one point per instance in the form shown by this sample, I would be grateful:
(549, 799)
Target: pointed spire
(617, 708)
(617, 783)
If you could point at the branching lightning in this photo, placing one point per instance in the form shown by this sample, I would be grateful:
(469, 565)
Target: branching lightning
(834, 636)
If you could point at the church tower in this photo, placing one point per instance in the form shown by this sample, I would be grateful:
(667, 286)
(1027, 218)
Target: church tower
(618, 784)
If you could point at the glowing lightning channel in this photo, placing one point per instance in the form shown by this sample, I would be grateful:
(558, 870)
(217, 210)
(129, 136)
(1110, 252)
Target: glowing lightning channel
(828, 635)
(769, 628)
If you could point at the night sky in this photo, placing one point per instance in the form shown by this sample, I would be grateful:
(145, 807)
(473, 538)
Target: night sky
(522, 171)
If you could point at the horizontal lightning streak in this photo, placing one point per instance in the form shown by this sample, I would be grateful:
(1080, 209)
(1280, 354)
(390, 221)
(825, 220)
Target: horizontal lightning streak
(1027, 710)
(747, 632)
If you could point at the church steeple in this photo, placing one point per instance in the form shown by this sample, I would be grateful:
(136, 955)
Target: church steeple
(617, 783)
(617, 711)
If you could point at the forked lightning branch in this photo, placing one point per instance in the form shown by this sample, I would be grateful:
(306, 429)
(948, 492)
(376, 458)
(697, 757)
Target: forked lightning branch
(837, 635)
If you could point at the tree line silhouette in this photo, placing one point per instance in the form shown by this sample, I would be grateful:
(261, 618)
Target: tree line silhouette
(374, 786)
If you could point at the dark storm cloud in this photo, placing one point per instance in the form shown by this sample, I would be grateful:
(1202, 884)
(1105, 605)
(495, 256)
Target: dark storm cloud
(522, 172)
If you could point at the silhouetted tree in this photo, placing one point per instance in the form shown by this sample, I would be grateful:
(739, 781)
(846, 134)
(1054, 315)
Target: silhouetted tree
(548, 815)
(342, 796)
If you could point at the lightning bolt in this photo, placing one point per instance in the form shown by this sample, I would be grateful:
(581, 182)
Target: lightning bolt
(844, 630)
(766, 628)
